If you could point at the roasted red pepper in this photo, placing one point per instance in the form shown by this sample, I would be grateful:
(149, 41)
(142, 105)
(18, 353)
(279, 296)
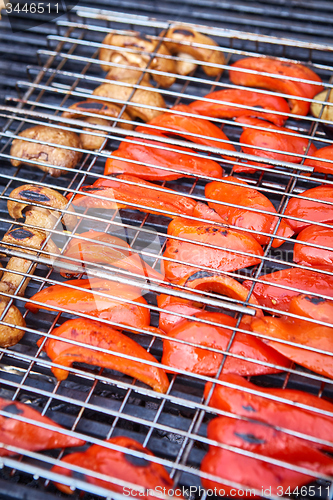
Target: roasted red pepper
(226, 192)
(303, 280)
(203, 211)
(281, 72)
(182, 125)
(252, 139)
(273, 412)
(301, 332)
(203, 362)
(312, 255)
(96, 251)
(143, 193)
(158, 154)
(223, 105)
(30, 436)
(88, 300)
(313, 210)
(119, 465)
(312, 307)
(319, 165)
(221, 258)
(251, 471)
(102, 336)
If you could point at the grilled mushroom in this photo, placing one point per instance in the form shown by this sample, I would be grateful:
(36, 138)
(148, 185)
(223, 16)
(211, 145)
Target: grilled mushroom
(327, 113)
(90, 141)
(183, 39)
(56, 157)
(145, 97)
(108, 110)
(141, 47)
(30, 240)
(186, 65)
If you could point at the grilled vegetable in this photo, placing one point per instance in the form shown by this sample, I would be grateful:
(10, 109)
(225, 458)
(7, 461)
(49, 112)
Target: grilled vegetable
(313, 255)
(317, 109)
(325, 167)
(311, 211)
(281, 72)
(245, 196)
(223, 105)
(203, 211)
(184, 39)
(251, 471)
(183, 125)
(108, 110)
(100, 250)
(274, 412)
(302, 332)
(191, 254)
(31, 436)
(57, 158)
(99, 335)
(203, 362)
(312, 307)
(117, 464)
(90, 141)
(87, 300)
(302, 280)
(142, 193)
(159, 154)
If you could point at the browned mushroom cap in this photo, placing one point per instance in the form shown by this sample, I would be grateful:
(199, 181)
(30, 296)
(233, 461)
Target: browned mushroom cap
(140, 96)
(188, 35)
(109, 110)
(91, 141)
(142, 47)
(186, 65)
(56, 157)
(9, 335)
(51, 199)
(126, 74)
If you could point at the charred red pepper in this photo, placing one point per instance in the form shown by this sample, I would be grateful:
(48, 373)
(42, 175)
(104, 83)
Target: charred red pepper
(221, 258)
(312, 255)
(97, 334)
(117, 464)
(30, 436)
(299, 332)
(250, 471)
(182, 125)
(223, 105)
(303, 280)
(143, 193)
(242, 194)
(88, 300)
(95, 251)
(273, 412)
(158, 154)
(320, 165)
(203, 211)
(312, 307)
(281, 72)
(203, 362)
(313, 210)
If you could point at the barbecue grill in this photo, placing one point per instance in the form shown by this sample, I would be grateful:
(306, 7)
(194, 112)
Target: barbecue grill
(96, 404)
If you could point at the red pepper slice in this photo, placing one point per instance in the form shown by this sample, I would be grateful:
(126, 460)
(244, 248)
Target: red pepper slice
(220, 258)
(250, 471)
(251, 139)
(311, 211)
(182, 125)
(88, 301)
(100, 335)
(117, 464)
(312, 307)
(284, 85)
(312, 255)
(303, 280)
(96, 251)
(143, 193)
(274, 412)
(229, 97)
(245, 196)
(322, 166)
(199, 360)
(202, 211)
(161, 156)
(29, 436)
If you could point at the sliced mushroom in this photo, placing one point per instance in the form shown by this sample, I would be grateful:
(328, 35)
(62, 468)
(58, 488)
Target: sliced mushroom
(109, 110)
(140, 96)
(56, 157)
(316, 108)
(9, 335)
(141, 47)
(182, 40)
(126, 74)
(186, 66)
(91, 141)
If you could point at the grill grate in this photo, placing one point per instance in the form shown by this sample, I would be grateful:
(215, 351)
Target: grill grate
(93, 403)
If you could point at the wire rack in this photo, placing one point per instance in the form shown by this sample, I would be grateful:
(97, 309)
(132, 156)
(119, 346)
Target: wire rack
(97, 404)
